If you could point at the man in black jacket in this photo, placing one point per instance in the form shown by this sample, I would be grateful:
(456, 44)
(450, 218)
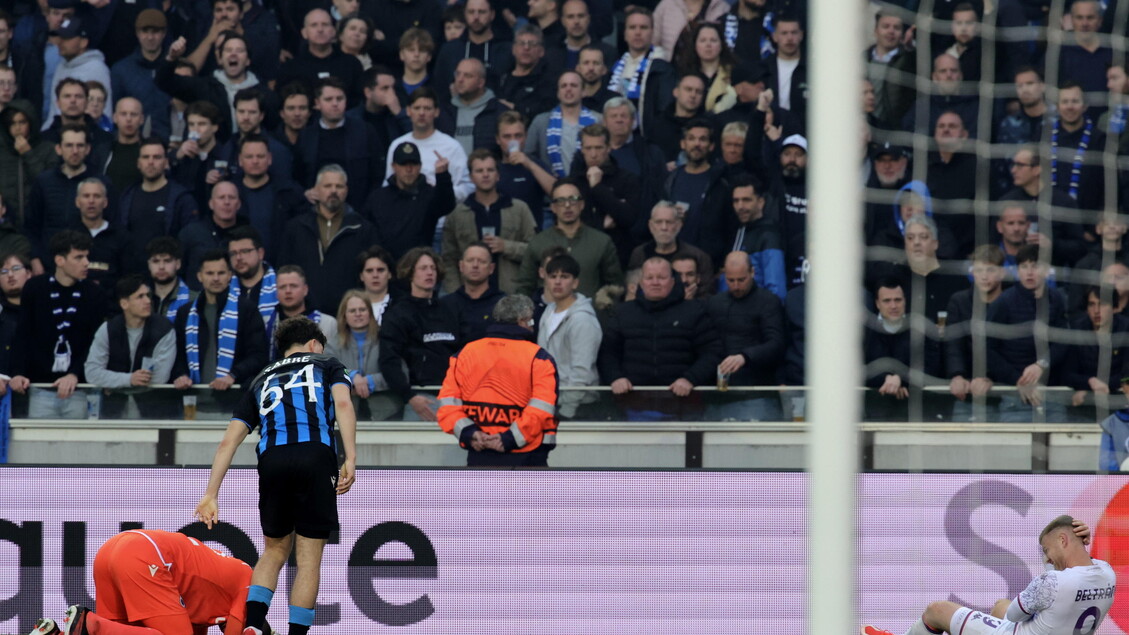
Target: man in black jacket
(612, 195)
(751, 322)
(320, 58)
(966, 364)
(418, 335)
(200, 326)
(58, 317)
(1015, 355)
(700, 190)
(336, 138)
(326, 240)
(660, 339)
(406, 210)
(890, 357)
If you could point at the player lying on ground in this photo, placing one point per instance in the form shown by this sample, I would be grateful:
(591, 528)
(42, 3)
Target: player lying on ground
(1073, 597)
(152, 582)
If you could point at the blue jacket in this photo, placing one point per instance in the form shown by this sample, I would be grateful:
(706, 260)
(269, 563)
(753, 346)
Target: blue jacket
(761, 240)
(134, 76)
(1115, 441)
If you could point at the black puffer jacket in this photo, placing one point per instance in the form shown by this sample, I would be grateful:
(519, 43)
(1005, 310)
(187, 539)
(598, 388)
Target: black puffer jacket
(752, 326)
(654, 343)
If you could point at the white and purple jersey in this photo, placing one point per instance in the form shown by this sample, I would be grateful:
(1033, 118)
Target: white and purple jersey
(1074, 600)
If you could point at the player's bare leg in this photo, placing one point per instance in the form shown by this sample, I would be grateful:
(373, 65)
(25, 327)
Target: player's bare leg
(304, 590)
(935, 620)
(264, 579)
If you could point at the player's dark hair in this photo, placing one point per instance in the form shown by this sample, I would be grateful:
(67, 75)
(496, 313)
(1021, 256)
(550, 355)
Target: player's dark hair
(296, 331)
(128, 285)
(563, 263)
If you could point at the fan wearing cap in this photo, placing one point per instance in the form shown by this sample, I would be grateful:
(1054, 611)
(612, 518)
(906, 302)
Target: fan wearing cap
(132, 76)
(80, 61)
(407, 208)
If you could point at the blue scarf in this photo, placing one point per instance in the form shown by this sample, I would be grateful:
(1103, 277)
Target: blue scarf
(635, 84)
(553, 137)
(1079, 156)
(268, 295)
(228, 328)
(181, 299)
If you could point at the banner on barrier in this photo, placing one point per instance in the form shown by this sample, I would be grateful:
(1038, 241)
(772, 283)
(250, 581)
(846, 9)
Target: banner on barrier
(573, 552)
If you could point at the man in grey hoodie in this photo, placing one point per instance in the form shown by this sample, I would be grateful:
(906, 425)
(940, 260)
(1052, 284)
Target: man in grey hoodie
(473, 107)
(79, 62)
(571, 333)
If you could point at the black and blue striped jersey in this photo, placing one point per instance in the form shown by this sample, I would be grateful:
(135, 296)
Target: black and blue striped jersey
(291, 401)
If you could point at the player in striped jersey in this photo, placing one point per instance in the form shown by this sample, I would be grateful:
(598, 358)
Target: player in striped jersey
(295, 403)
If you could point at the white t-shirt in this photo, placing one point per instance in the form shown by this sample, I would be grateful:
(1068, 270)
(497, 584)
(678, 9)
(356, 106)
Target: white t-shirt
(553, 321)
(784, 70)
(449, 149)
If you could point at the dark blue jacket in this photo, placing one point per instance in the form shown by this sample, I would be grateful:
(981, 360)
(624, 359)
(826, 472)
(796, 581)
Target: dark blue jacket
(361, 164)
(761, 240)
(330, 272)
(281, 161)
(407, 218)
(51, 207)
(180, 209)
(1084, 356)
(753, 327)
(475, 314)
(1010, 350)
(133, 76)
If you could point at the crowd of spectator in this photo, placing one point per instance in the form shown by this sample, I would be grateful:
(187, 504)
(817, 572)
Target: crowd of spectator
(392, 168)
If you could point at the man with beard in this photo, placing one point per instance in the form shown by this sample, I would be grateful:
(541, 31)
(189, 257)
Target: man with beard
(1027, 175)
(479, 42)
(168, 291)
(666, 129)
(890, 164)
(576, 21)
(1076, 150)
(945, 95)
(254, 279)
(699, 189)
(593, 68)
(951, 177)
(744, 30)
(325, 242)
(528, 88)
(789, 187)
(665, 225)
(758, 236)
(155, 206)
(1025, 125)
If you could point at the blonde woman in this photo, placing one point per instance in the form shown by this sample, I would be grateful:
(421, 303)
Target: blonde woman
(357, 346)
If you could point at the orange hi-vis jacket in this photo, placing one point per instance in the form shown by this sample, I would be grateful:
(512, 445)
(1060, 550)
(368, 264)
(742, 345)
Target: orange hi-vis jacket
(501, 384)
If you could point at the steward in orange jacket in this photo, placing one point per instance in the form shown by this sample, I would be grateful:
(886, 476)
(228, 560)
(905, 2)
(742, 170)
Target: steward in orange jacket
(499, 398)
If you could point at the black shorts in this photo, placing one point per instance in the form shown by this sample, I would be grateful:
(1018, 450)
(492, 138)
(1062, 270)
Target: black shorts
(298, 490)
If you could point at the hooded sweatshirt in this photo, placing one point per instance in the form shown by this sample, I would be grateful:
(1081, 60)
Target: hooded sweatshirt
(464, 125)
(574, 342)
(86, 66)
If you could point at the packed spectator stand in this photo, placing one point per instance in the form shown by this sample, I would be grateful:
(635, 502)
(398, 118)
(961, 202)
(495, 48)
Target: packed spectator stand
(178, 177)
